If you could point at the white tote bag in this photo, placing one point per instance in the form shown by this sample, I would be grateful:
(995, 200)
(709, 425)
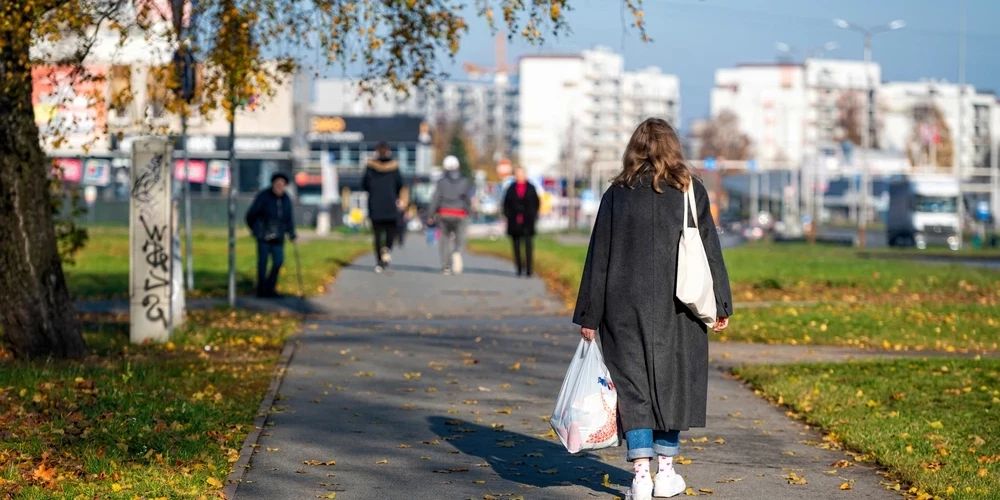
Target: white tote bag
(586, 412)
(695, 287)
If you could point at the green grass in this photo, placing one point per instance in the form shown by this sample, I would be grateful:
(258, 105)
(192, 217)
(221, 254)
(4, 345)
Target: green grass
(909, 325)
(796, 272)
(935, 423)
(137, 421)
(101, 268)
(849, 300)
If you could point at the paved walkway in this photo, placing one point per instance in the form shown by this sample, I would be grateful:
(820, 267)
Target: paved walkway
(423, 386)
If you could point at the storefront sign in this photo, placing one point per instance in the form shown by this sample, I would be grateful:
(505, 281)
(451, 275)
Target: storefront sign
(245, 144)
(69, 169)
(218, 174)
(68, 109)
(196, 171)
(391, 129)
(97, 172)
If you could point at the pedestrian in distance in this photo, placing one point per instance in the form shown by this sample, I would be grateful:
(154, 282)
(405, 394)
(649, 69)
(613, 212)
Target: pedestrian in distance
(383, 182)
(449, 211)
(655, 347)
(520, 208)
(270, 219)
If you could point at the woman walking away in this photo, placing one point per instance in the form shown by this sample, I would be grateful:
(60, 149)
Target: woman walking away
(655, 347)
(520, 208)
(383, 183)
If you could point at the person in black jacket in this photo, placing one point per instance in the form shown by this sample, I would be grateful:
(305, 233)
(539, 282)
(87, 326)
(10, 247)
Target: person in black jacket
(520, 208)
(269, 219)
(654, 346)
(383, 182)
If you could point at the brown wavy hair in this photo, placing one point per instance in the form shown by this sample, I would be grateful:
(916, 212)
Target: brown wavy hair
(654, 149)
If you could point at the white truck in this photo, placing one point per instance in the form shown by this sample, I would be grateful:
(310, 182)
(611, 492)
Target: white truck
(923, 210)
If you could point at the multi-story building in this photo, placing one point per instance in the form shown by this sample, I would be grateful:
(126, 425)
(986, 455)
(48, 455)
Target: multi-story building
(486, 110)
(577, 112)
(790, 111)
(971, 122)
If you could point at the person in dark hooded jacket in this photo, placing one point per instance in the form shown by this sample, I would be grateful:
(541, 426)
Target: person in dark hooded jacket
(383, 182)
(269, 219)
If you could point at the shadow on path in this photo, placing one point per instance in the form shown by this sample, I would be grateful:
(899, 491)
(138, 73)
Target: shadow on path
(527, 460)
(430, 270)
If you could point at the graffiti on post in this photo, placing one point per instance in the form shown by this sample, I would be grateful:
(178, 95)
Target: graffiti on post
(147, 180)
(151, 241)
(158, 271)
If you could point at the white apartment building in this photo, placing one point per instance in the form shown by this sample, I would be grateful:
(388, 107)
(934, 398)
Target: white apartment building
(904, 99)
(486, 110)
(792, 111)
(580, 110)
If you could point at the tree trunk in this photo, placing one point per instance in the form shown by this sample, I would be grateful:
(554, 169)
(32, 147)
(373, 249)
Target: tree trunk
(37, 314)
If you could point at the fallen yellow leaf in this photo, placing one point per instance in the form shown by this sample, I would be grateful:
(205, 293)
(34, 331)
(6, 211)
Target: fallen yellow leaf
(213, 482)
(846, 486)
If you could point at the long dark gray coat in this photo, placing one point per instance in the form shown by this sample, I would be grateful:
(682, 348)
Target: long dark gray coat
(655, 349)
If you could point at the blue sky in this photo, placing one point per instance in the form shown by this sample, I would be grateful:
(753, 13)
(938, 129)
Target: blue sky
(693, 38)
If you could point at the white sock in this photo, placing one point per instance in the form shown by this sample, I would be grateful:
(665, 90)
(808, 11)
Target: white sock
(666, 464)
(641, 469)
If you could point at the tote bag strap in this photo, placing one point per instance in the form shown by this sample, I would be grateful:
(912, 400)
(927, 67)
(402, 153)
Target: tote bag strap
(689, 201)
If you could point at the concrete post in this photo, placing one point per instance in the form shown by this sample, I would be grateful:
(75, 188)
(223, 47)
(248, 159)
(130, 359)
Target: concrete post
(151, 241)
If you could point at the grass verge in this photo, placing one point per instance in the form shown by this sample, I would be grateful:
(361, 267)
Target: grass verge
(851, 301)
(101, 268)
(793, 272)
(908, 325)
(151, 422)
(933, 422)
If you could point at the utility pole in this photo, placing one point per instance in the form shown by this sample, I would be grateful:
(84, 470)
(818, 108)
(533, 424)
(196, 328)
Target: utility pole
(865, 190)
(233, 185)
(571, 174)
(995, 173)
(959, 163)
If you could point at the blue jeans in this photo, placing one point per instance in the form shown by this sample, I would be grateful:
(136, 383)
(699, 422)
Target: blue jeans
(268, 281)
(644, 443)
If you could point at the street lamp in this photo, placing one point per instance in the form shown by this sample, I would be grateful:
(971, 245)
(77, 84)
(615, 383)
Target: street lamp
(811, 52)
(868, 33)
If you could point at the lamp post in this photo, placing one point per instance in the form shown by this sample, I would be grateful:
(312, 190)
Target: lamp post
(868, 33)
(816, 51)
(799, 180)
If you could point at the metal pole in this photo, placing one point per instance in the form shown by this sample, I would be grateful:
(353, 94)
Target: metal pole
(233, 183)
(187, 204)
(754, 197)
(766, 188)
(995, 174)
(961, 119)
(865, 144)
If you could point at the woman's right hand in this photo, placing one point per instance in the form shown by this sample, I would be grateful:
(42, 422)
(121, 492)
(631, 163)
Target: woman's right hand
(587, 333)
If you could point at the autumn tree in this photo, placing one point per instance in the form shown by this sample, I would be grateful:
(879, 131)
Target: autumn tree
(395, 42)
(851, 109)
(930, 142)
(722, 137)
(457, 148)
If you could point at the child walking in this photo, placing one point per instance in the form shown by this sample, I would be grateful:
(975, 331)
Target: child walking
(655, 348)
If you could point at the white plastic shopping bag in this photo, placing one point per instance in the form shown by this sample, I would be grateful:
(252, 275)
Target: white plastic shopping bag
(586, 413)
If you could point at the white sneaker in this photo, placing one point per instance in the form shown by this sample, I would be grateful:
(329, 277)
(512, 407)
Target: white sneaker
(668, 484)
(379, 269)
(641, 490)
(456, 263)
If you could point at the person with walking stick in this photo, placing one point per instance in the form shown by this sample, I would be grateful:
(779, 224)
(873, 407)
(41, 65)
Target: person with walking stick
(270, 219)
